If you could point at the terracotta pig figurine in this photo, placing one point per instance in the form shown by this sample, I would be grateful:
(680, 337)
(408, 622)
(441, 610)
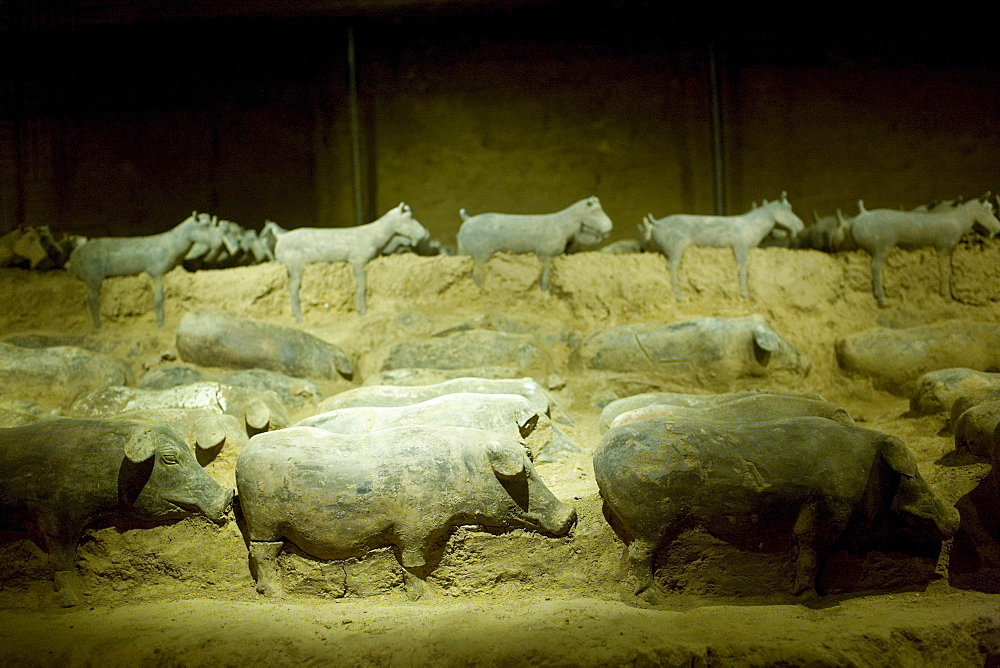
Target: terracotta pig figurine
(754, 484)
(546, 235)
(61, 474)
(354, 245)
(337, 496)
(753, 408)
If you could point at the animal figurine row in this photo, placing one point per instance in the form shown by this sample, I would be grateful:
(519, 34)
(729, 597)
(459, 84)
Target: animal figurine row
(753, 469)
(202, 241)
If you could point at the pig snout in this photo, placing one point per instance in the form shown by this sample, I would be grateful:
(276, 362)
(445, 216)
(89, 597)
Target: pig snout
(559, 522)
(219, 511)
(916, 499)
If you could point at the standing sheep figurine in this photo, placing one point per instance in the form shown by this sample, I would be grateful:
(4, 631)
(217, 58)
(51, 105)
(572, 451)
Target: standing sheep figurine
(354, 245)
(99, 258)
(673, 234)
(545, 235)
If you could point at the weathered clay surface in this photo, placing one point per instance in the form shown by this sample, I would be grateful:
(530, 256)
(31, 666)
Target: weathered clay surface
(293, 392)
(57, 375)
(896, 358)
(644, 399)
(754, 408)
(708, 351)
(337, 496)
(214, 338)
(759, 486)
(937, 391)
(63, 473)
(470, 349)
(258, 410)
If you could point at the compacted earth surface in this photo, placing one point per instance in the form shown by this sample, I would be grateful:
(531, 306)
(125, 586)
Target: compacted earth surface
(182, 593)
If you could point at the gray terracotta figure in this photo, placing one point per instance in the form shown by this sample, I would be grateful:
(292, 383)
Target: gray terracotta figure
(757, 484)
(102, 257)
(354, 245)
(673, 234)
(880, 230)
(337, 497)
(60, 474)
(752, 408)
(545, 235)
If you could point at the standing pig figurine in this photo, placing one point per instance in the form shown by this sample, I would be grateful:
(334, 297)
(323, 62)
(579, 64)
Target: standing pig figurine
(63, 473)
(756, 484)
(337, 497)
(545, 235)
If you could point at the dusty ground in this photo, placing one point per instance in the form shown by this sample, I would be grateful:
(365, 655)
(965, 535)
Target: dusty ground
(182, 594)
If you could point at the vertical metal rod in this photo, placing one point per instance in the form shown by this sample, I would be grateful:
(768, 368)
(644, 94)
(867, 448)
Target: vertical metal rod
(718, 159)
(352, 82)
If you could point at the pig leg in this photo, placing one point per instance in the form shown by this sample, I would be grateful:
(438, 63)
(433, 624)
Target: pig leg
(640, 557)
(294, 283)
(413, 557)
(878, 261)
(546, 271)
(415, 585)
(359, 281)
(813, 535)
(61, 546)
(673, 263)
(158, 299)
(94, 302)
(740, 253)
(944, 272)
(264, 561)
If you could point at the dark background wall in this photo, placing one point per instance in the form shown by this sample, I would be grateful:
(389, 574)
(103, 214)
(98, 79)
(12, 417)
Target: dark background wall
(121, 118)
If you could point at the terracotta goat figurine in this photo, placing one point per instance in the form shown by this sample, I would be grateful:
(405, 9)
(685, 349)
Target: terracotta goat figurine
(157, 254)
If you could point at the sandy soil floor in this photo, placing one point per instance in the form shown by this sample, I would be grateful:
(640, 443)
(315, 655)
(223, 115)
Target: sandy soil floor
(181, 594)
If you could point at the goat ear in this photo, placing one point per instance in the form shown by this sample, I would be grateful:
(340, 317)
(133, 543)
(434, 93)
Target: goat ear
(141, 445)
(506, 459)
(899, 458)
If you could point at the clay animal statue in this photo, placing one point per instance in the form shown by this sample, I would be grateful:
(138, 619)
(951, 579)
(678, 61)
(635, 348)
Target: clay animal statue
(752, 408)
(354, 245)
(547, 235)
(974, 560)
(879, 230)
(56, 375)
(701, 401)
(337, 496)
(975, 428)
(257, 410)
(673, 234)
(395, 395)
(155, 255)
(508, 414)
(896, 358)
(218, 339)
(198, 428)
(710, 352)
(59, 475)
(759, 484)
(937, 391)
(293, 392)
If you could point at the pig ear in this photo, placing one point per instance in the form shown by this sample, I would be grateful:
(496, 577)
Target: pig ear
(527, 420)
(507, 459)
(765, 342)
(258, 414)
(899, 458)
(209, 432)
(141, 445)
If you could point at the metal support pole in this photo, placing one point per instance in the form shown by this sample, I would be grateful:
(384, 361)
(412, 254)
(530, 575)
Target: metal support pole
(352, 79)
(718, 159)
